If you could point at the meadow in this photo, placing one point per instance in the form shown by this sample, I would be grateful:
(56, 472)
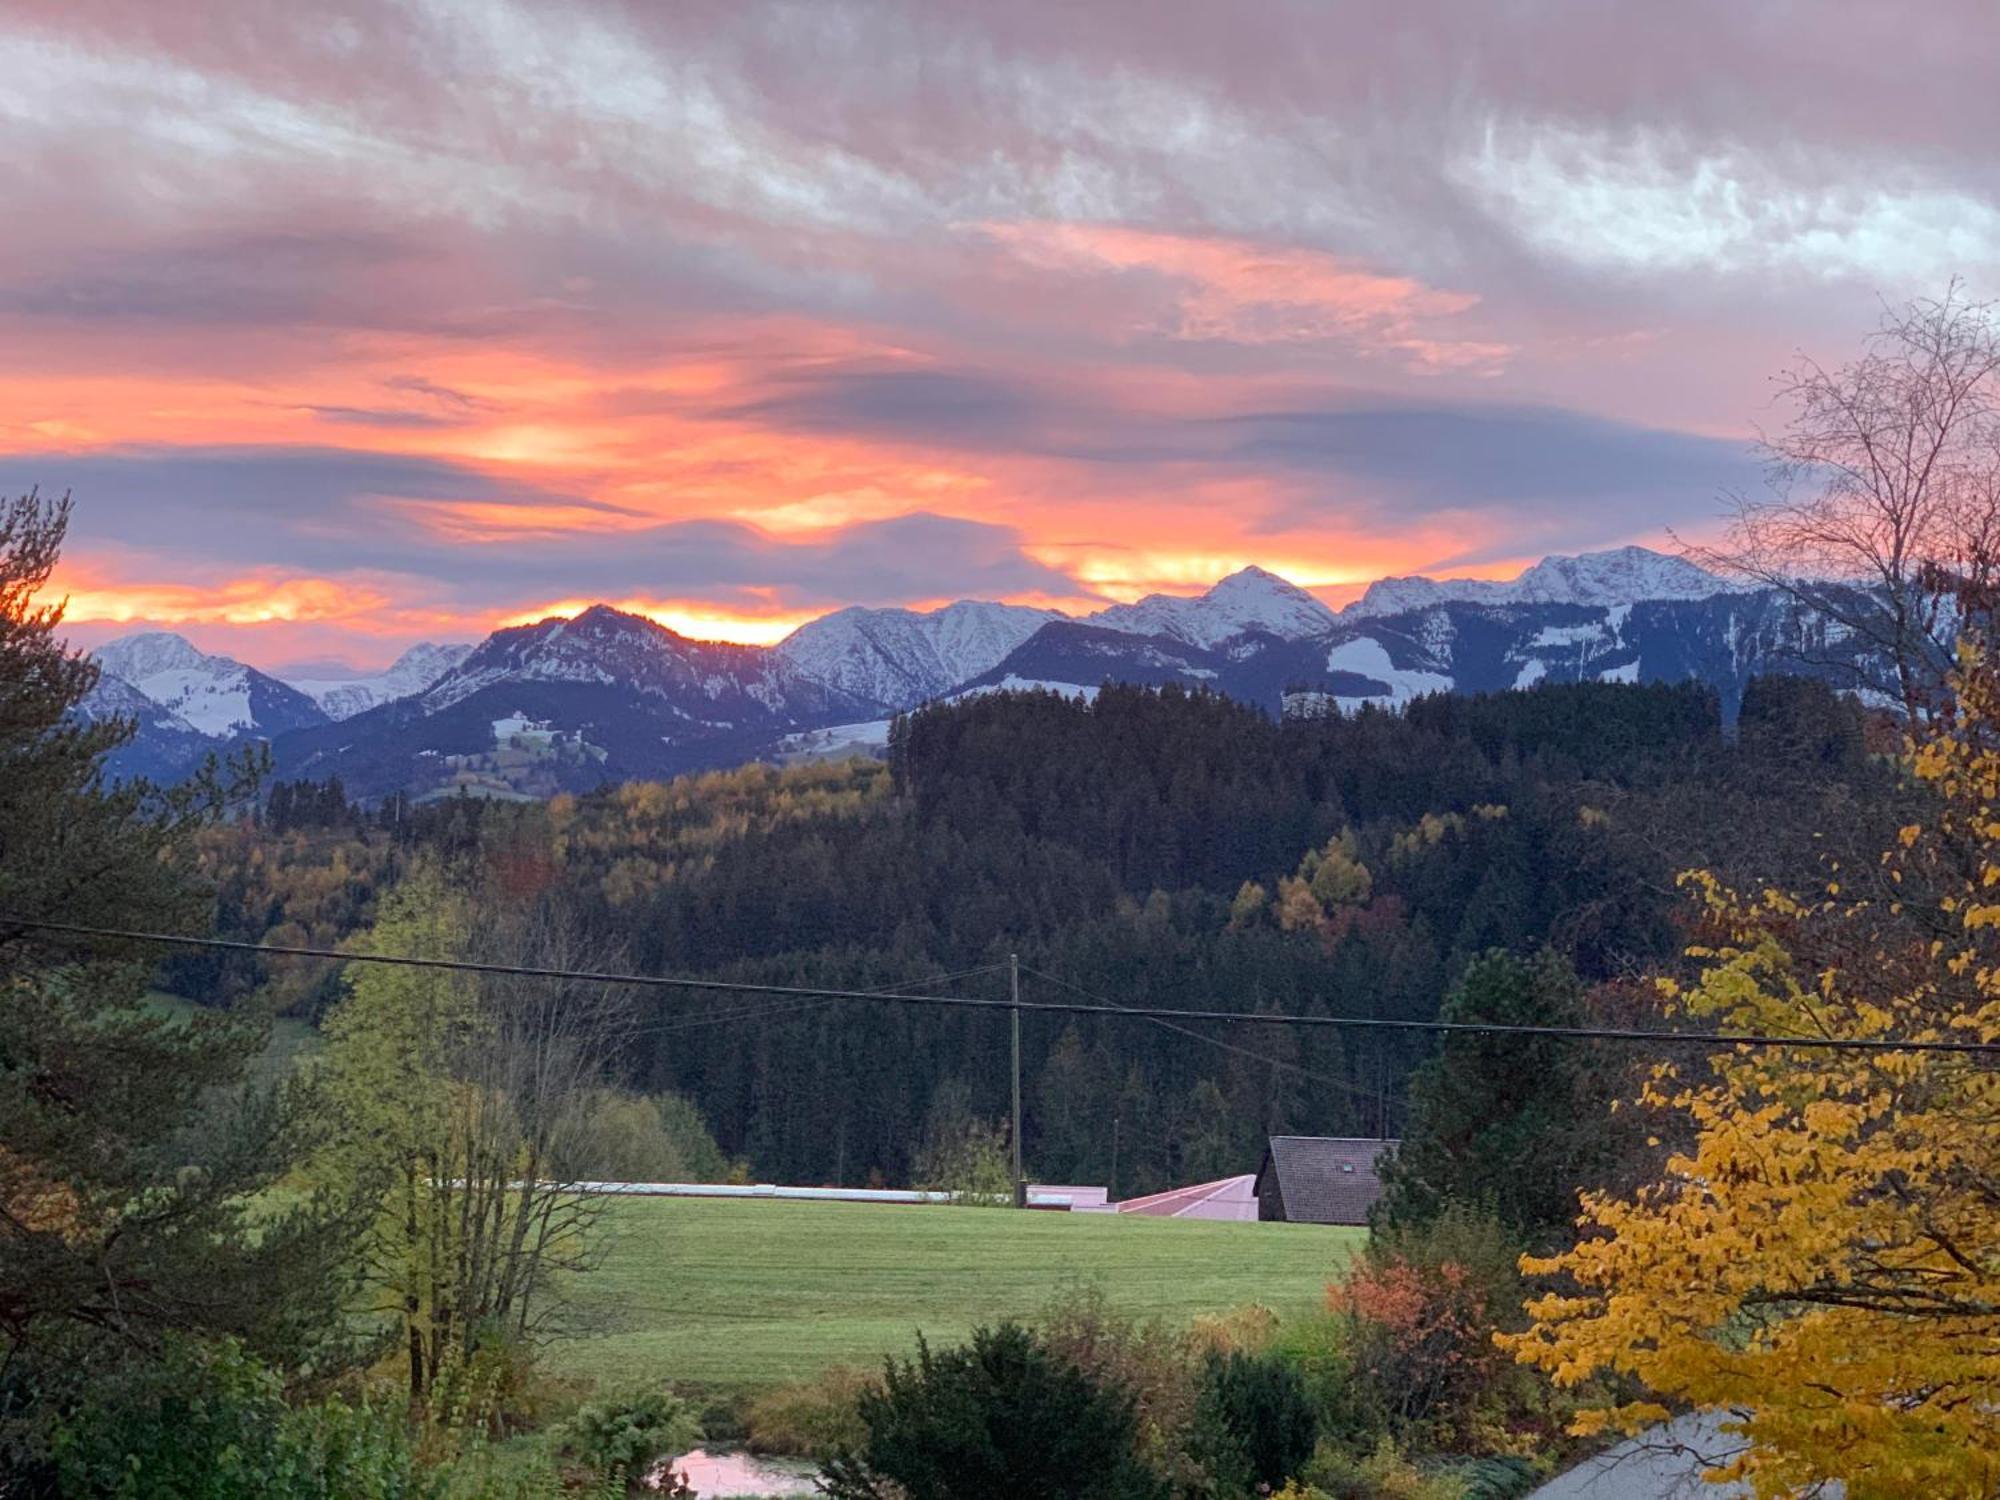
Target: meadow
(736, 1295)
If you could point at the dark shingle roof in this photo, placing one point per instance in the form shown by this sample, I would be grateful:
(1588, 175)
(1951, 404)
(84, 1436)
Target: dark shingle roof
(1325, 1179)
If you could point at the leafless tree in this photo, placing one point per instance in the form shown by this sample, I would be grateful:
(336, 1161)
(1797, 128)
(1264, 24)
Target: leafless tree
(464, 1096)
(1882, 512)
(528, 1075)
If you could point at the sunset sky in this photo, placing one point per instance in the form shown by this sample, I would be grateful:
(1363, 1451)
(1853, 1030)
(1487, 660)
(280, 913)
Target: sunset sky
(350, 325)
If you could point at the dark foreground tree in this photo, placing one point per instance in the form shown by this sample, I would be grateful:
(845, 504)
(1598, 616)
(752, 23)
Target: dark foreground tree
(998, 1419)
(130, 1186)
(1513, 1125)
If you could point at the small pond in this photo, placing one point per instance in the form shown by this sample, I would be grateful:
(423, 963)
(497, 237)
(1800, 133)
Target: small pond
(723, 1472)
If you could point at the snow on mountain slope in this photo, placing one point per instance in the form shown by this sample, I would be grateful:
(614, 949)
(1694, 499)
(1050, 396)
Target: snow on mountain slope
(1367, 657)
(164, 747)
(1251, 599)
(213, 695)
(412, 672)
(714, 683)
(1624, 575)
(900, 657)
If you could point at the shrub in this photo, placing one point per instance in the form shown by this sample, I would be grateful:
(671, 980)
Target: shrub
(1145, 1361)
(1385, 1473)
(645, 1138)
(208, 1422)
(1320, 1350)
(494, 1390)
(1421, 1307)
(814, 1418)
(999, 1419)
(1254, 1425)
(625, 1438)
(1249, 1329)
(1491, 1478)
(201, 1421)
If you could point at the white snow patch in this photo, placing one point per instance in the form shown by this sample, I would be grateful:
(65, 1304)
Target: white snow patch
(1568, 635)
(1012, 684)
(1368, 657)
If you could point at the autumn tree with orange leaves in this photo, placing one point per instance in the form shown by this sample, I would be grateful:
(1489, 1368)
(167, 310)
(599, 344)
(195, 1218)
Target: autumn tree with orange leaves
(1820, 1261)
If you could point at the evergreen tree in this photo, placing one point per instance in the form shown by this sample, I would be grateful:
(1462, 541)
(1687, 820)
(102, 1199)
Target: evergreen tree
(1509, 1124)
(127, 1178)
(1000, 1419)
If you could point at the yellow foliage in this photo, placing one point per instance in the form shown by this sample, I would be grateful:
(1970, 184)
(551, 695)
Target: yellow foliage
(1822, 1260)
(1336, 874)
(1298, 909)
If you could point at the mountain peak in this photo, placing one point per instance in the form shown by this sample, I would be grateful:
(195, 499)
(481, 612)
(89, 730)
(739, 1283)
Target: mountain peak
(1253, 582)
(1251, 598)
(344, 696)
(151, 651)
(213, 694)
(1621, 575)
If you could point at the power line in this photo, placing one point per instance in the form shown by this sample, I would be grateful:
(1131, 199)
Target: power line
(1055, 1007)
(1214, 1041)
(792, 1008)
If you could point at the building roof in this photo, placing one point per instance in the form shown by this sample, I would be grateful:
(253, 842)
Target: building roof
(1232, 1198)
(1325, 1179)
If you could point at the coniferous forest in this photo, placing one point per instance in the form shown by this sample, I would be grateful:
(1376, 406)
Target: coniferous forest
(1151, 848)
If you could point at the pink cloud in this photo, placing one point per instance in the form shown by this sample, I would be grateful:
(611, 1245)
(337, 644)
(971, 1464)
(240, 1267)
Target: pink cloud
(1241, 291)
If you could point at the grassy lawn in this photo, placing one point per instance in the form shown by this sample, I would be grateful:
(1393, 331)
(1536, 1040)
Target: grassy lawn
(291, 1039)
(734, 1294)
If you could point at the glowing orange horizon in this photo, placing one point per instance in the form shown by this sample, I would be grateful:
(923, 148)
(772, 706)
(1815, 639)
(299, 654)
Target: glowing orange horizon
(553, 446)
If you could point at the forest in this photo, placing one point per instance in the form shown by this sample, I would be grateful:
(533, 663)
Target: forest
(1152, 848)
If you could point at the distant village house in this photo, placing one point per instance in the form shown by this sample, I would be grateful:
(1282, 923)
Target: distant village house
(1319, 1179)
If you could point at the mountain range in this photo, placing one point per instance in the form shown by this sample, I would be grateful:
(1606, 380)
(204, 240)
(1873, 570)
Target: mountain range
(569, 703)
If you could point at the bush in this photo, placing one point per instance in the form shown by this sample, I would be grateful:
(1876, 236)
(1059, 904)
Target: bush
(208, 1422)
(495, 1391)
(1254, 1425)
(1249, 1329)
(1491, 1478)
(642, 1138)
(1385, 1473)
(623, 1439)
(999, 1419)
(1148, 1362)
(1320, 1350)
(814, 1418)
(1422, 1306)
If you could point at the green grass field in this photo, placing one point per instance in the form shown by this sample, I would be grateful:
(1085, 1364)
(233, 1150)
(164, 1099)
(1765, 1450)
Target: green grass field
(291, 1039)
(736, 1295)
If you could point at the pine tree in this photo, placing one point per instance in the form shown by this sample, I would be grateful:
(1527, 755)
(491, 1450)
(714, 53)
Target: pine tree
(126, 1182)
(1502, 1123)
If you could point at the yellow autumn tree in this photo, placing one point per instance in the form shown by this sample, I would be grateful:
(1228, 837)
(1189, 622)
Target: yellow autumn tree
(1820, 1260)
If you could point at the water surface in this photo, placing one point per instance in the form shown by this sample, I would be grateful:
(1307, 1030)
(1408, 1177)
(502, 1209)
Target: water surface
(715, 1474)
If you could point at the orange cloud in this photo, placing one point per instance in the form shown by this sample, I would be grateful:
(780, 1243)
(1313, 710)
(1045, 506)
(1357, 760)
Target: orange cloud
(259, 598)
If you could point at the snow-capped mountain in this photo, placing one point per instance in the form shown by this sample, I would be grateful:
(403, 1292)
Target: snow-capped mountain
(575, 703)
(711, 682)
(164, 747)
(410, 673)
(897, 657)
(1721, 641)
(212, 695)
(1622, 576)
(1251, 599)
(572, 704)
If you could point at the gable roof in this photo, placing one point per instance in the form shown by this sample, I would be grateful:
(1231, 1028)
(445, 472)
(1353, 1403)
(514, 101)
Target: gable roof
(1324, 1179)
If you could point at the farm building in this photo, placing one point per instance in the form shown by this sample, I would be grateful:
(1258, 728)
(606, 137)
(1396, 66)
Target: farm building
(1319, 1179)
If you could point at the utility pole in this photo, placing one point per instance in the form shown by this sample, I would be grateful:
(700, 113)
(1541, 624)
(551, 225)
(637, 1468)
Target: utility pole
(1014, 989)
